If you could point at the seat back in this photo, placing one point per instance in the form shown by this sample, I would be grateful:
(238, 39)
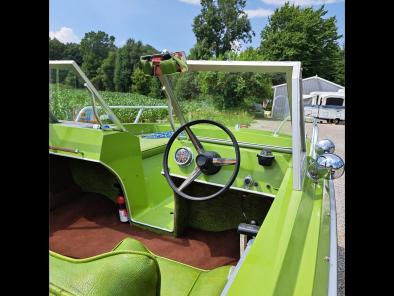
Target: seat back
(120, 272)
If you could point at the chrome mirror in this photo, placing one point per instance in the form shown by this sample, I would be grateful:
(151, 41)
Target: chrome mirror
(324, 146)
(327, 165)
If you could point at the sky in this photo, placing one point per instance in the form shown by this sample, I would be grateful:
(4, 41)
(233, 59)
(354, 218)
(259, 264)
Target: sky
(164, 24)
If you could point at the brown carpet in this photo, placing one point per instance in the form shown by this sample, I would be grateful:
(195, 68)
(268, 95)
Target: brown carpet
(88, 225)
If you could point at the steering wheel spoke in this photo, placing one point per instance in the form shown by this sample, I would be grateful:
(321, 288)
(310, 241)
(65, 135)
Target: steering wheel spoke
(193, 176)
(196, 143)
(223, 161)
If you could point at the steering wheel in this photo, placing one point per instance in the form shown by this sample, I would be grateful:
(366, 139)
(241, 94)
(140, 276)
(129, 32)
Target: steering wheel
(207, 162)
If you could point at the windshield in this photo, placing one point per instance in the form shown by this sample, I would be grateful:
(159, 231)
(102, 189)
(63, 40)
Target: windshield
(238, 100)
(72, 100)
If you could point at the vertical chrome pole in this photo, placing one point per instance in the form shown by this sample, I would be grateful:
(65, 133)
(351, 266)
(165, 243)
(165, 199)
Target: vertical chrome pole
(171, 99)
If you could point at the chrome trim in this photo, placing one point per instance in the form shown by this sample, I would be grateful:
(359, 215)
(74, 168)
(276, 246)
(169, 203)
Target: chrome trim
(141, 109)
(246, 145)
(333, 257)
(69, 150)
(315, 136)
(221, 185)
(237, 268)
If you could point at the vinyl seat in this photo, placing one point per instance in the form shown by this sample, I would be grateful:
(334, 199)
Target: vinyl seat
(131, 269)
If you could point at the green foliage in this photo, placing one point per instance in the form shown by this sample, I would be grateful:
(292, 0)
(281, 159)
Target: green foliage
(72, 51)
(127, 59)
(56, 49)
(95, 47)
(107, 70)
(234, 90)
(155, 89)
(186, 86)
(303, 34)
(141, 82)
(65, 104)
(220, 27)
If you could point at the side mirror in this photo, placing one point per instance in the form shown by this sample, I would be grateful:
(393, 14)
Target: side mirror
(327, 165)
(324, 146)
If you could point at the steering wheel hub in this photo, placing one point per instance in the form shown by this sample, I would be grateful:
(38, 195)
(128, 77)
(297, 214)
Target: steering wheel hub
(205, 162)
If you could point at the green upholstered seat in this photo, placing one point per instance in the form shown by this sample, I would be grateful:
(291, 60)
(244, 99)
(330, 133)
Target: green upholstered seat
(175, 278)
(122, 273)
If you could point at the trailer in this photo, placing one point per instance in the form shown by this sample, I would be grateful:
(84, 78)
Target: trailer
(325, 106)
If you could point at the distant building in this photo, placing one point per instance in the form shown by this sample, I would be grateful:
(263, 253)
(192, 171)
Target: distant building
(280, 105)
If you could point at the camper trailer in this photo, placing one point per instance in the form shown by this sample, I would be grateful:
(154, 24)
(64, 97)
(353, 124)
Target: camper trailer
(326, 106)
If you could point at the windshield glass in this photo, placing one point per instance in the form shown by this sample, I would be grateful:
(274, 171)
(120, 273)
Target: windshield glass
(236, 100)
(71, 100)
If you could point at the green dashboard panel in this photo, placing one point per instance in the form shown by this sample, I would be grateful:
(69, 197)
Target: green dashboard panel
(268, 178)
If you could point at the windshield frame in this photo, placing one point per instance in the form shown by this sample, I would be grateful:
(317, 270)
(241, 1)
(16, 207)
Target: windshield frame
(292, 71)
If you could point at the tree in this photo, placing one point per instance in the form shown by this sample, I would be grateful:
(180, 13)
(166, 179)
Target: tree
(302, 34)
(340, 72)
(56, 49)
(95, 47)
(220, 25)
(127, 58)
(72, 51)
(106, 71)
(141, 82)
(186, 86)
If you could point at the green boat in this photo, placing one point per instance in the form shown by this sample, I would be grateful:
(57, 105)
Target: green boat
(187, 207)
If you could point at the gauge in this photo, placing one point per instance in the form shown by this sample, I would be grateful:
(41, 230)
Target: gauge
(183, 156)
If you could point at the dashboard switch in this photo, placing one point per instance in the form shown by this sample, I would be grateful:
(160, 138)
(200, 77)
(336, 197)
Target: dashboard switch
(248, 181)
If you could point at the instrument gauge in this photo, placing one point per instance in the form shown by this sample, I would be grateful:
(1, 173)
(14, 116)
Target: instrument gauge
(183, 156)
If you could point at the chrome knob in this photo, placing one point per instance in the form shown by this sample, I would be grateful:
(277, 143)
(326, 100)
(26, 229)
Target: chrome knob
(248, 181)
(329, 166)
(324, 146)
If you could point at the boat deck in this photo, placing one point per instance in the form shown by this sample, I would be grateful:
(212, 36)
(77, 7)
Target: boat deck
(88, 225)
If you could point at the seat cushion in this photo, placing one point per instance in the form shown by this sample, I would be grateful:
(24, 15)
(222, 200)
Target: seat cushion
(181, 279)
(131, 269)
(114, 273)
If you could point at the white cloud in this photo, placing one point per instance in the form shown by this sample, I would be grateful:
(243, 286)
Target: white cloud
(64, 35)
(300, 2)
(259, 12)
(192, 2)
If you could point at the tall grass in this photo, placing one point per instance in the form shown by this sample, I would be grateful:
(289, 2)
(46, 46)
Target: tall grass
(65, 104)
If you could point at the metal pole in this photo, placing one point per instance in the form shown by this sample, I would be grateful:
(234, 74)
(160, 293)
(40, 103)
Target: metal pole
(138, 115)
(171, 98)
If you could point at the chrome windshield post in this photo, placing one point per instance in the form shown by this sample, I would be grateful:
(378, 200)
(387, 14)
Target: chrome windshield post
(94, 105)
(172, 101)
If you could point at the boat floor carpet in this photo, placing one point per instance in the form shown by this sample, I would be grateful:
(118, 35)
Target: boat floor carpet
(88, 225)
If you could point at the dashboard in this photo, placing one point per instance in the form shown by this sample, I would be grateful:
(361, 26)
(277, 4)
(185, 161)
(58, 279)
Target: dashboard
(261, 172)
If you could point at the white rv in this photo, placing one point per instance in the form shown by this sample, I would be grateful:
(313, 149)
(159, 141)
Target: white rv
(326, 106)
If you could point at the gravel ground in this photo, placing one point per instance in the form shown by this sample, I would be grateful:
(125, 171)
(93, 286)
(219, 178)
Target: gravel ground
(336, 133)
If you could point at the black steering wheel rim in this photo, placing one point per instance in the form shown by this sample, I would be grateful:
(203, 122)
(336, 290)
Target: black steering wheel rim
(171, 141)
